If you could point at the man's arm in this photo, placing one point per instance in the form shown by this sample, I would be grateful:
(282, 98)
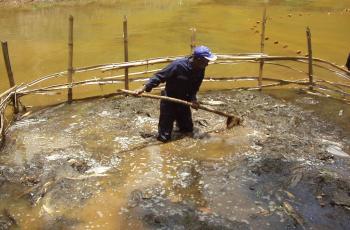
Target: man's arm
(159, 77)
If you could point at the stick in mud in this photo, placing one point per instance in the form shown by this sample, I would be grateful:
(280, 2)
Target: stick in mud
(309, 48)
(9, 73)
(70, 59)
(294, 214)
(126, 51)
(262, 45)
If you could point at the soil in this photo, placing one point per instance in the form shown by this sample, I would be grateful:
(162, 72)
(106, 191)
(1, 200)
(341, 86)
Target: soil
(284, 167)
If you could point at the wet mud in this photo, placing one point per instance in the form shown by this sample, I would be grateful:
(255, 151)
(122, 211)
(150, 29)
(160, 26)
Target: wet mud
(285, 167)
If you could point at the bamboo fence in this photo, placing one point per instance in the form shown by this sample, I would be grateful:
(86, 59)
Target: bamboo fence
(310, 84)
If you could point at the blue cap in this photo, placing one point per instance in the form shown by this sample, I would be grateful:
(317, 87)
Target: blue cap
(204, 52)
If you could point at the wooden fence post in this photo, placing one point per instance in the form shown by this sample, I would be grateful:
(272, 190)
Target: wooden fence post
(6, 55)
(347, 64)
(70, 59)
(193, 39)
(126, 51)
(309, 48)
(262, 46)
(2, 128)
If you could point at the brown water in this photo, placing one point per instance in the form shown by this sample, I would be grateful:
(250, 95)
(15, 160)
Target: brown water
(37, 34)
(37, 40)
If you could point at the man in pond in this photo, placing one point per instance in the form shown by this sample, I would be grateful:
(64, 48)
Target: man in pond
(182, 78)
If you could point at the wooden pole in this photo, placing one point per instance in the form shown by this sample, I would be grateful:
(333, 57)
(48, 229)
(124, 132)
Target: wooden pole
(2, 128)
(309, 48)
(126, 51)
(347, 64)
(70, 59)
(193, 39)
(11, 79)
(262, 46)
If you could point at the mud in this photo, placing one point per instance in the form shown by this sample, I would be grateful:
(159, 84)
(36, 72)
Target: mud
(281, 169)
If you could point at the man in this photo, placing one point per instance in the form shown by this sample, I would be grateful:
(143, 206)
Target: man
(348, 62)
(182, 78)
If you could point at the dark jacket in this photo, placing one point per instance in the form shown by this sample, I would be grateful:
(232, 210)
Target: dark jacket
(181, 80)
(348, 62)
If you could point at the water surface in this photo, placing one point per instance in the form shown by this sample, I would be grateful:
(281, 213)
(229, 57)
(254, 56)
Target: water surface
(37, 35)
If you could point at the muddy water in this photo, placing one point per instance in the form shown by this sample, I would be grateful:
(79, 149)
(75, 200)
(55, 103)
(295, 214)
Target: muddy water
(97, 165)
(37, 34)
(83, 166)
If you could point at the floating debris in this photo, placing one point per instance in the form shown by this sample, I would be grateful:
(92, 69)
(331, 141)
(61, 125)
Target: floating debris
(340, 113)
(293, 213)
(337, 151)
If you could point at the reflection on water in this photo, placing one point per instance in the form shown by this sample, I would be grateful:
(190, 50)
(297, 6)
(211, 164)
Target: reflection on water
(38, 36)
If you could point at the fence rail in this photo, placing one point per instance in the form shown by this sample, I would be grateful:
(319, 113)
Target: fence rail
(312, 82)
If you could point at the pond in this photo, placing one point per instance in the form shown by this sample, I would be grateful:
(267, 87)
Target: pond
(37, 34)
(96, 164)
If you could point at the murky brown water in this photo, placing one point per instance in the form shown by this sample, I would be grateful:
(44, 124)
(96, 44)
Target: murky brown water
(37, 36)
(37, 42)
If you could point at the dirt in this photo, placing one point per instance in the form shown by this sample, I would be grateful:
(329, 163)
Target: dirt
(280, 169)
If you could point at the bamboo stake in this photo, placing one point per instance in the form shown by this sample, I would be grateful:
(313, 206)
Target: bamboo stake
(311, 72)
(232, 120)
(2, 128)
(262, 46)
(11, 79)
(193, 39)
(70, 59)
(126, 51)
(7, 63)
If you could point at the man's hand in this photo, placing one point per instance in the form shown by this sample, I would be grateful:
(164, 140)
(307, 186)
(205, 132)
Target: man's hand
(195, 105)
